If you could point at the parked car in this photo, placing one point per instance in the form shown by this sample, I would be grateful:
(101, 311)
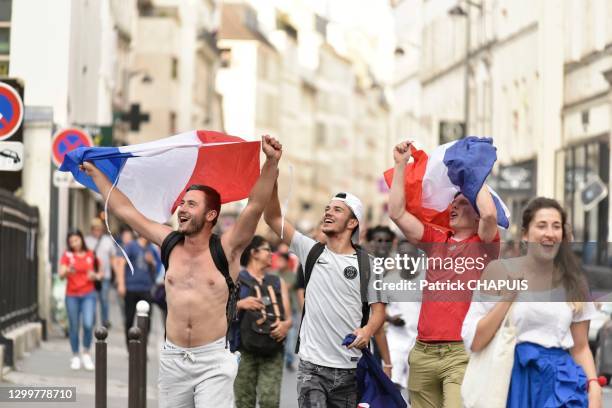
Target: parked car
(603, 355)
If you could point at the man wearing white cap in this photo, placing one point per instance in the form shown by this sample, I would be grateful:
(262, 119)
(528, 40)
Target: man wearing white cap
(338, 300)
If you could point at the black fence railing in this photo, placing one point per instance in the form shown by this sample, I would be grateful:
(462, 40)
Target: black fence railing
(18, 266)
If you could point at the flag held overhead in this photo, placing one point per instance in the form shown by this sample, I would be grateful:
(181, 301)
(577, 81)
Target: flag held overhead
(431, 182)
(155, 175)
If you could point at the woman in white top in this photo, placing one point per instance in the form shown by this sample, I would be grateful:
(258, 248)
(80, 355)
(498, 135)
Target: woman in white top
(553, 365)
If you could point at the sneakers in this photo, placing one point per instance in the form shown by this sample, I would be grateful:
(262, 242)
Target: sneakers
(87, 363)
(75, 363)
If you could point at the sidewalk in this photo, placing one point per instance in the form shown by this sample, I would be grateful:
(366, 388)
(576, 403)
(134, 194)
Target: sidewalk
(49, 366)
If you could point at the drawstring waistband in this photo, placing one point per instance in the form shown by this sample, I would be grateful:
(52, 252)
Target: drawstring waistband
(188, 355)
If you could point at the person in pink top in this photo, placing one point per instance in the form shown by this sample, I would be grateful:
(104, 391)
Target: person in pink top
(79, 267)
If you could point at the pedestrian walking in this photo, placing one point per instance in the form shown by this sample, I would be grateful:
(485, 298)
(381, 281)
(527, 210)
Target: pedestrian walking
(137, 285)
(339, 294)
(438, 359)
(104, 248)
(79, 267)
(403, 311)
(196, 368)
(553, 365)
(263, 321)
(379, 241)
(284, 268)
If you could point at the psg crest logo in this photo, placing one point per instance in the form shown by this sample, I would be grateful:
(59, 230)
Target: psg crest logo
(350, 272)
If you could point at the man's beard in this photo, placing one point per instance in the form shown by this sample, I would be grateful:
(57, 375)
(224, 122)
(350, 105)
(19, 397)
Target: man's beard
(333, 233)
(195, 225)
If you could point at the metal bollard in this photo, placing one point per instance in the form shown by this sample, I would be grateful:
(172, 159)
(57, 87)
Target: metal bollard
(134, 384)
(101, 334)
(142, 322)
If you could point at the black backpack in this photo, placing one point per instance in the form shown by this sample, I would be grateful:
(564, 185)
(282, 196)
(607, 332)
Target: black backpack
(220, 260)
(254, 326)
(363, 262)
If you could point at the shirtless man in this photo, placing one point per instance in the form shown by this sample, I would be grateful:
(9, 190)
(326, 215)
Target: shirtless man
(196, 368)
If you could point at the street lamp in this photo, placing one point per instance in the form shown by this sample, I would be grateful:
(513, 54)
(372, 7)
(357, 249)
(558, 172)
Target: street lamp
(458, 11)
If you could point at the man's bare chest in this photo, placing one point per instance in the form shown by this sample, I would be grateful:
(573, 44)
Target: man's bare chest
(199, 272)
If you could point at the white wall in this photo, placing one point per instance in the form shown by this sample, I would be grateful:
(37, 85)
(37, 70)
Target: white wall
(550, 93)
(237, 84)
(47, 47)
(515, 91)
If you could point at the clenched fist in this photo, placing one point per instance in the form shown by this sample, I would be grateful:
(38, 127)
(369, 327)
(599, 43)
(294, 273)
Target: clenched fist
(402, 153)
(271, 148)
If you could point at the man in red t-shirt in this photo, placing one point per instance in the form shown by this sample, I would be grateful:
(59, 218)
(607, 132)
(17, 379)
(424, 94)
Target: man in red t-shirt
(438, 359)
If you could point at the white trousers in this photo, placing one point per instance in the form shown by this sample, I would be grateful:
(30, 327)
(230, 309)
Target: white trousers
(197, 377)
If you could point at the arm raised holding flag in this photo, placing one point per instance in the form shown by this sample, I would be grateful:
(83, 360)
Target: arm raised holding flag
(464, 219)
(408, 223)
(200, 268)
(451, 183)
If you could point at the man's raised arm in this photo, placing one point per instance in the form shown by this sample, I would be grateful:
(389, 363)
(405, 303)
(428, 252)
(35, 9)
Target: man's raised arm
(409, 224)
(123, 208)
(487, 227)
(273, 217)
(242, 232)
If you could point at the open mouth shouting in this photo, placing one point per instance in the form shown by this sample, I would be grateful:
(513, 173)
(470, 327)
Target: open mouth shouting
(183, 218)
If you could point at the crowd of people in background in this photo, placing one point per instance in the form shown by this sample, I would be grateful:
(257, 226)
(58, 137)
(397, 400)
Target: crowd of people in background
(93, 267)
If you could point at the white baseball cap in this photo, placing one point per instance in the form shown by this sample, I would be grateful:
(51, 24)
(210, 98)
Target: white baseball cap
(356, 207)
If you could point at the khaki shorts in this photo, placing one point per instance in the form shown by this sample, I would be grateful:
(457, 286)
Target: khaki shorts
(436, 374)
(197, 377)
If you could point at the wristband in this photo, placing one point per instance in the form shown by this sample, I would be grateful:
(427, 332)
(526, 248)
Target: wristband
(385, 365)
(600, 380)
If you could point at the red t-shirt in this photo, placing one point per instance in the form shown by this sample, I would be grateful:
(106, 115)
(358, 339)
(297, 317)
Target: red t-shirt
(443, 311)
(79, 283)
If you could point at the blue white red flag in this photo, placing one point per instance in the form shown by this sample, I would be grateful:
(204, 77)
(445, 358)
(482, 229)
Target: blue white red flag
(431, 181)
(155, 175)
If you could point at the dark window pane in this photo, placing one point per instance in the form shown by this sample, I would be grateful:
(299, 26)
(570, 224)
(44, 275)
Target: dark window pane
(5, 40)
(4, 68)
(5, 10)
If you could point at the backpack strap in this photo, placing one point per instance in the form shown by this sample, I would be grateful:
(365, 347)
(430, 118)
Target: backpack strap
(220, 260)
(274, 281)
(168, 245)
(363, 262)
(311, 260)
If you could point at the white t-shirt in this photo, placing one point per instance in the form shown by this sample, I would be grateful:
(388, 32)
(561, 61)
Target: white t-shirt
(546, 323)
(333, 305)
(105, 251)
(406, 304)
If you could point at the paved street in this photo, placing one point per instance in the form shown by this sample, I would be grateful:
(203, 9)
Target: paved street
(49, 365)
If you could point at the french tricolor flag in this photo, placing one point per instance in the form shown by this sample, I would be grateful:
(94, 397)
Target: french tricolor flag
(432, 181)
(155, 175)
